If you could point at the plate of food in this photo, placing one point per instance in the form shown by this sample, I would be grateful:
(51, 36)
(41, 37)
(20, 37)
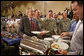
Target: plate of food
(60, 45)
(36, 32)
(55, 46)
(34, 38)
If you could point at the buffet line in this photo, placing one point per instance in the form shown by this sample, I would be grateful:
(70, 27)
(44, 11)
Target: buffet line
(36, 46)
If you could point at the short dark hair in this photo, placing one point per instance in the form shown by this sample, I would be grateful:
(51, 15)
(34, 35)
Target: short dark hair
(50, 11)
(80, 3)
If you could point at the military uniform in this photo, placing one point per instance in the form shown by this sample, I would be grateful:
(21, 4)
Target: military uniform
(40, 22)
(49, 25)
(65, 25)
(58, 26)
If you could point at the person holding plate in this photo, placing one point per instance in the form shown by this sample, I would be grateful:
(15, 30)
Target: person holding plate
(28, 24)
(76, 44)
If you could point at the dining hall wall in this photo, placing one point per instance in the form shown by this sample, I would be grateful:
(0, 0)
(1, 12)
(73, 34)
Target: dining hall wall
(56, 6)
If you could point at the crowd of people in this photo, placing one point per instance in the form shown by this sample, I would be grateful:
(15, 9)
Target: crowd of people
(58, 24)
(53, 22)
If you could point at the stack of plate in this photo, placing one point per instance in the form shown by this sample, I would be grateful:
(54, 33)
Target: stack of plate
(55, 37)
(36, 32)
(48, 39)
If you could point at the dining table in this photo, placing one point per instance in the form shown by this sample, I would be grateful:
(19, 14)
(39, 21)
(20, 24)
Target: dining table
(10, 41)
(63, 42)
(14, 39)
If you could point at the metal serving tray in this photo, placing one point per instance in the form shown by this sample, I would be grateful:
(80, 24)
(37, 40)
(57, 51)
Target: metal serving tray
(37, 46)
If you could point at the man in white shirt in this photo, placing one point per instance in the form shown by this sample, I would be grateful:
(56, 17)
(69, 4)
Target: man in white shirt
(9, 24)
(14, 25)
(76, 44)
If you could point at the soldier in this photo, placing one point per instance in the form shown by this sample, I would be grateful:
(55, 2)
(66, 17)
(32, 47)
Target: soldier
(49, 24)
(55, 16)
(65, 23)
(37, 17)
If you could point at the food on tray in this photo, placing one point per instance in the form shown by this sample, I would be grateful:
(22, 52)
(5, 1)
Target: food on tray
(14, 37)
(56, 46)
(34, 38)
(9, 35)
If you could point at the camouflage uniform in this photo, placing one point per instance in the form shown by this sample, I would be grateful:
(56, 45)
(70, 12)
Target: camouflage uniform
(65, 25)
(58, 25)
(40, 22)
(49, 25)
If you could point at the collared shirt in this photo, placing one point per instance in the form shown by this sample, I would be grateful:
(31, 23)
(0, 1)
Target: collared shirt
(73, 25)
(76, 45)
(9, 23)
(32, 23)
(49, 18)
(35, 23)
(15, 23)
